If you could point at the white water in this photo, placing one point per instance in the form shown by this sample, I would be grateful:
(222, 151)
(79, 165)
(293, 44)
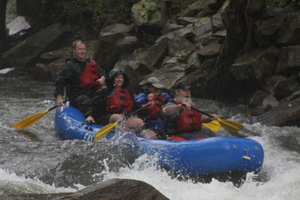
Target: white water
(20, 185)
(280, 172)
(13, 22)
(279, 178)
(281, 167)
(284, 183)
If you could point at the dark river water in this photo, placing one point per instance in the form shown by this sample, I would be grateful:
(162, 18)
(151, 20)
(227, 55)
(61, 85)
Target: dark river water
(36, 161)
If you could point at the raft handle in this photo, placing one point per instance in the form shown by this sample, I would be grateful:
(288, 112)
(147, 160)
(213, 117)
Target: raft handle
(246, 157)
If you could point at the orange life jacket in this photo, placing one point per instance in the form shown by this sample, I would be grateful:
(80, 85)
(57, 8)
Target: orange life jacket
(120, 101)
(156, 111)
(89, 76)
(188, 120)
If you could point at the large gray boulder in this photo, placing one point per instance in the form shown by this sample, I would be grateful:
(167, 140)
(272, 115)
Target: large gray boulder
(113, 41)
(149, 16)
(117, 189)
(31, 48)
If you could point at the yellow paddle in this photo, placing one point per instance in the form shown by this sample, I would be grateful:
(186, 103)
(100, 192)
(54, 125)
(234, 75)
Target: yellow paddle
(213, 125)
(227, 124)
(103, 131)
(32, 119)
(106, 129)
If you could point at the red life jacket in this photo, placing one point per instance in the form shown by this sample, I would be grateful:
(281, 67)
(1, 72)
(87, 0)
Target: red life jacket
(89, 76)
(156, 111)
(178, 138)
(120, 101)
(189, 120)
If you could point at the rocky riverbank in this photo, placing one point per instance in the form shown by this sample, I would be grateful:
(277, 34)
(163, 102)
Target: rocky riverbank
(228, 50)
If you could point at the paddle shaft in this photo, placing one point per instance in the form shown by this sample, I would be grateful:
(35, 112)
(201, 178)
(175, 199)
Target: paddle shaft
(228, 125)
(76, 95)
(136, 111)
(30, 120)
(204, 113)
(79, 93)
(103, 131)
(193, 108)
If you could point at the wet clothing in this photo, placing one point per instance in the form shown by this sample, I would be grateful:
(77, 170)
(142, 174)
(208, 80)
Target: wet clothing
(120, 101)
(69, 77)
(159, 101)
(98, 108)
(106, 97)
(188, 120)
(153, 118)
(185, 124)
(90, 74)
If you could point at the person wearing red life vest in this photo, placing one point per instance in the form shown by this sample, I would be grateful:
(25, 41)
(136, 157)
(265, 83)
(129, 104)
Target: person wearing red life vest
(112, 101)
(184, 123)
(153, 116)
(79, 75)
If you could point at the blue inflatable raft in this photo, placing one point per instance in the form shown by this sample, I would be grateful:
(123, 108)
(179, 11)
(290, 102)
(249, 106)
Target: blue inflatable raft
(194, 157)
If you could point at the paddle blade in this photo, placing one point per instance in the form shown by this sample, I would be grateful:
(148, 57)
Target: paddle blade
(28, 121)
(230, 125)
(237, 125)
(103, 131)
(213, 125)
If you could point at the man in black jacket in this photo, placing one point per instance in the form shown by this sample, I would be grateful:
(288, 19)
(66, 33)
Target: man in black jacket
(81, 76)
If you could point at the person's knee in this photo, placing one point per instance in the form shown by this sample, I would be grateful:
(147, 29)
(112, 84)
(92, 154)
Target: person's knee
(147, 133)
(139, 122)
(136, 124)
(114, 118)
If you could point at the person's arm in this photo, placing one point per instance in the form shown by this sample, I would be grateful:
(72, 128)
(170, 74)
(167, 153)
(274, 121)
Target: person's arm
(61, 81)
(59, 100)
(102, 72)
(102, 75)
(171, 109)
(167, 96)
(101, 80)
(207, 119)
(141, 99)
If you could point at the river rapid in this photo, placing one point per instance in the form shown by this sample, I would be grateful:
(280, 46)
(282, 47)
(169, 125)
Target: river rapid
(36, 161)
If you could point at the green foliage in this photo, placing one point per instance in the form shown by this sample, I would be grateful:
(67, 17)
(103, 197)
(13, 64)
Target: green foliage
(277, 3)
(294, 87)
(182, 4)
(88, 17)
(91, 15)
